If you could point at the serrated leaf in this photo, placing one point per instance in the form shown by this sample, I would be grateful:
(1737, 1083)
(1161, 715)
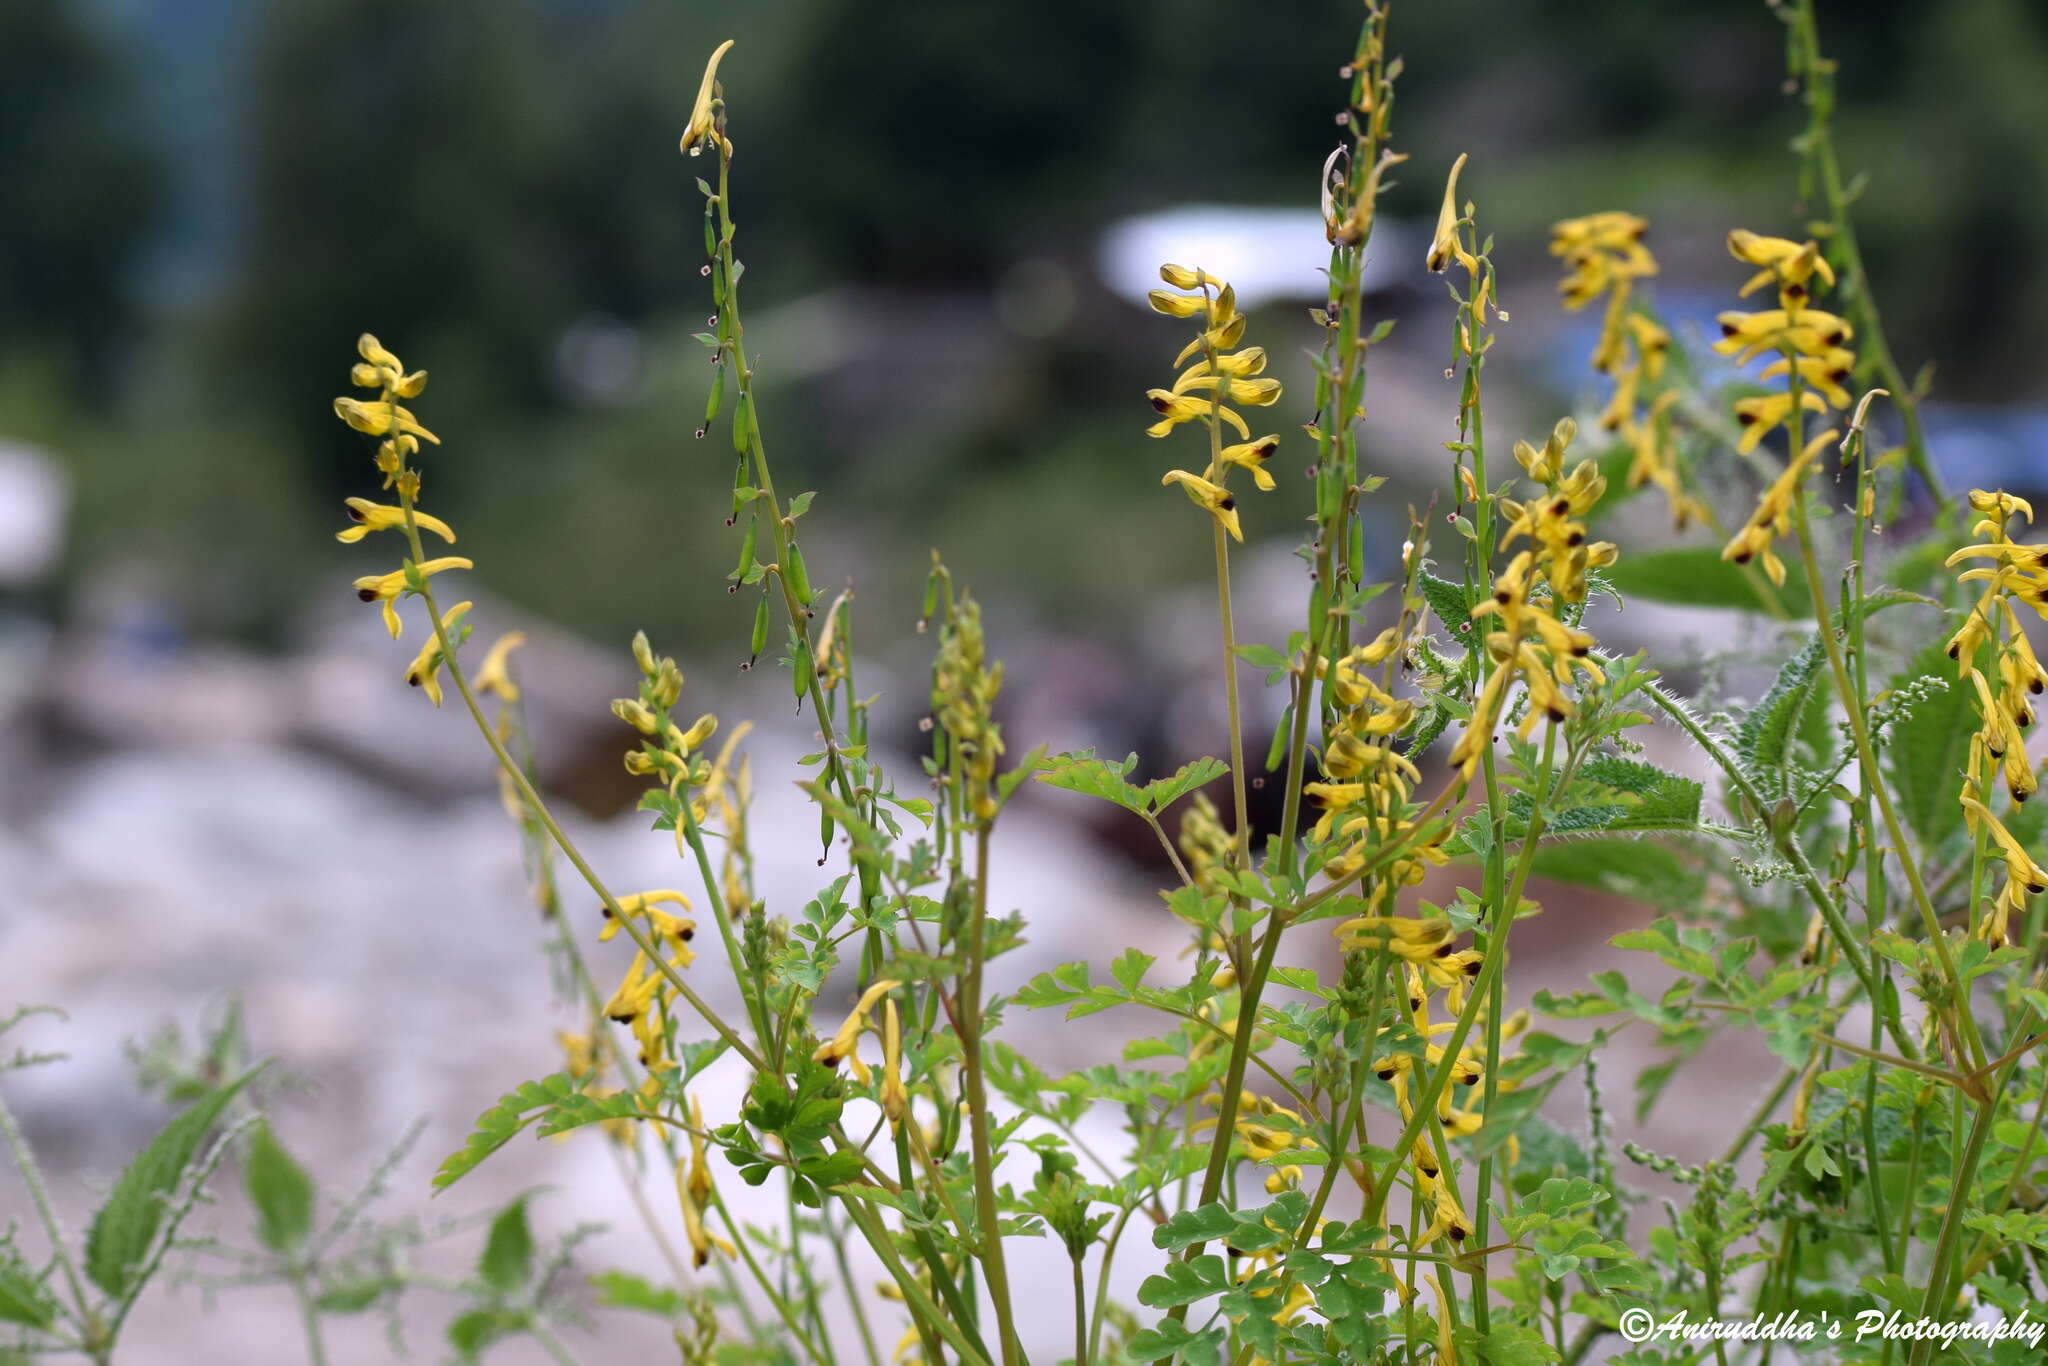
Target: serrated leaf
(1184, 1283)
(281, 1191)
(507, 1259)
(1925, 751)
(1164, 792)
(1169, 1338)
(1451, 604)
(126, 1226)
(24, 1298)
(498, 1125)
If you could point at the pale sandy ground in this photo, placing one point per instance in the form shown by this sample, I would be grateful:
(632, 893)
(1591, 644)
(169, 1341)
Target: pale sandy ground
(386, 952)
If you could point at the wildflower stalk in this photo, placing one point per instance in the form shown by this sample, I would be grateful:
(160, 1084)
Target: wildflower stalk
(1816, 75)
(993, 1267)
(539, 808)
(1859, 730)
(53, 1227)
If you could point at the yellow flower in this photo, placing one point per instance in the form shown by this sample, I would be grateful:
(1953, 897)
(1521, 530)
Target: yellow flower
(840, 1047)
(385, 588)
(494, 675)
(1790, 263)
(369, 517)
(1252, 456)
(1809, 331)
(1773, 512)
(381, 418)
(424, 672)
(895, 1100)
(702, 125)
(1174, 409)
(1444, 244)
(1766, 413)
(1217, 499)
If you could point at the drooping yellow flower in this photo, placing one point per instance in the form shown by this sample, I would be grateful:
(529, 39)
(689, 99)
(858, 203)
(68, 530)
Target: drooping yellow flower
(1773, 514)
(702, 123)
(381, 418)
(841, 1047)
(1444, 245)
(1220, 502)
(424, 672)
(386, 588)
(494, 675)
(369, 517)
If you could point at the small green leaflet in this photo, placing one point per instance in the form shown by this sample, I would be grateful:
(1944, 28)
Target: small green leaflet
(1083, 772)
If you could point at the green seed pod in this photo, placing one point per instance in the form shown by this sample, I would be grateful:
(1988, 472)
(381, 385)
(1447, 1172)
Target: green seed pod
(747, 548)
(760, 639)
(717, 399)
(799, 581)
(742, 422)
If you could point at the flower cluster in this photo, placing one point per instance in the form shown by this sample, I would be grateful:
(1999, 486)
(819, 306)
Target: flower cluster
(1218, 377)
(964, 690)
(1525, 639)
(2015, 574)
(399, 435)
(1365, 786)
(1604, 255)
(1810, 357)
(844, 1047)
(692, 783)
(1261, 1139)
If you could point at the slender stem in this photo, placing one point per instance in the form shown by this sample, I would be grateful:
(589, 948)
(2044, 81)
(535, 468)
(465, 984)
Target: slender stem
(986, 1214)
(309, 1319)
(39, 1196)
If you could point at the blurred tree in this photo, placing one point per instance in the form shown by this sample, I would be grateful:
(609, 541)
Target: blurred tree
(79, 191)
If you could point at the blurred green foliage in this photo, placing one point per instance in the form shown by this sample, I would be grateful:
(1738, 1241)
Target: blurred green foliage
(471, 179)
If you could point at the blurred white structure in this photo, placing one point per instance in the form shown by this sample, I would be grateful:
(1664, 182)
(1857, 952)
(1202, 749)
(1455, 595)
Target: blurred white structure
(1267, 254)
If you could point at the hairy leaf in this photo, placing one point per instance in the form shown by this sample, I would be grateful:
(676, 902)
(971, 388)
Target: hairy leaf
(126, 1226)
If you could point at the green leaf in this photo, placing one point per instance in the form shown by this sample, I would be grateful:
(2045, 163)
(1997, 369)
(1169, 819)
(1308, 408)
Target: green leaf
(1164, 792)
(352, 1297)
(280, 1190)
(126, 1226)
(1184, 1283)
(1925, 750)
(498, 1125)
(470, 1333)
(1451, 605)
(1764, 739)
(1191, 1226)
(1697, 576)
(1169, 1338)
(507, 1259)
(623, 1290)
(24, 1298)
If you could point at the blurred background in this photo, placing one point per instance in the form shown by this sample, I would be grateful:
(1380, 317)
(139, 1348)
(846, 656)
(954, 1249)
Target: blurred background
(214, 779)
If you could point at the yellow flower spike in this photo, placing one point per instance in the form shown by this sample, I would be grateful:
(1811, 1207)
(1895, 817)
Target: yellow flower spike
(424, 672)
(702, 124)
(1174, 409)
(369, 517)
(381, 418)
(1252, 456)
(385, 588)
(1445, 242)
(494, 675)
(1214, 497)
